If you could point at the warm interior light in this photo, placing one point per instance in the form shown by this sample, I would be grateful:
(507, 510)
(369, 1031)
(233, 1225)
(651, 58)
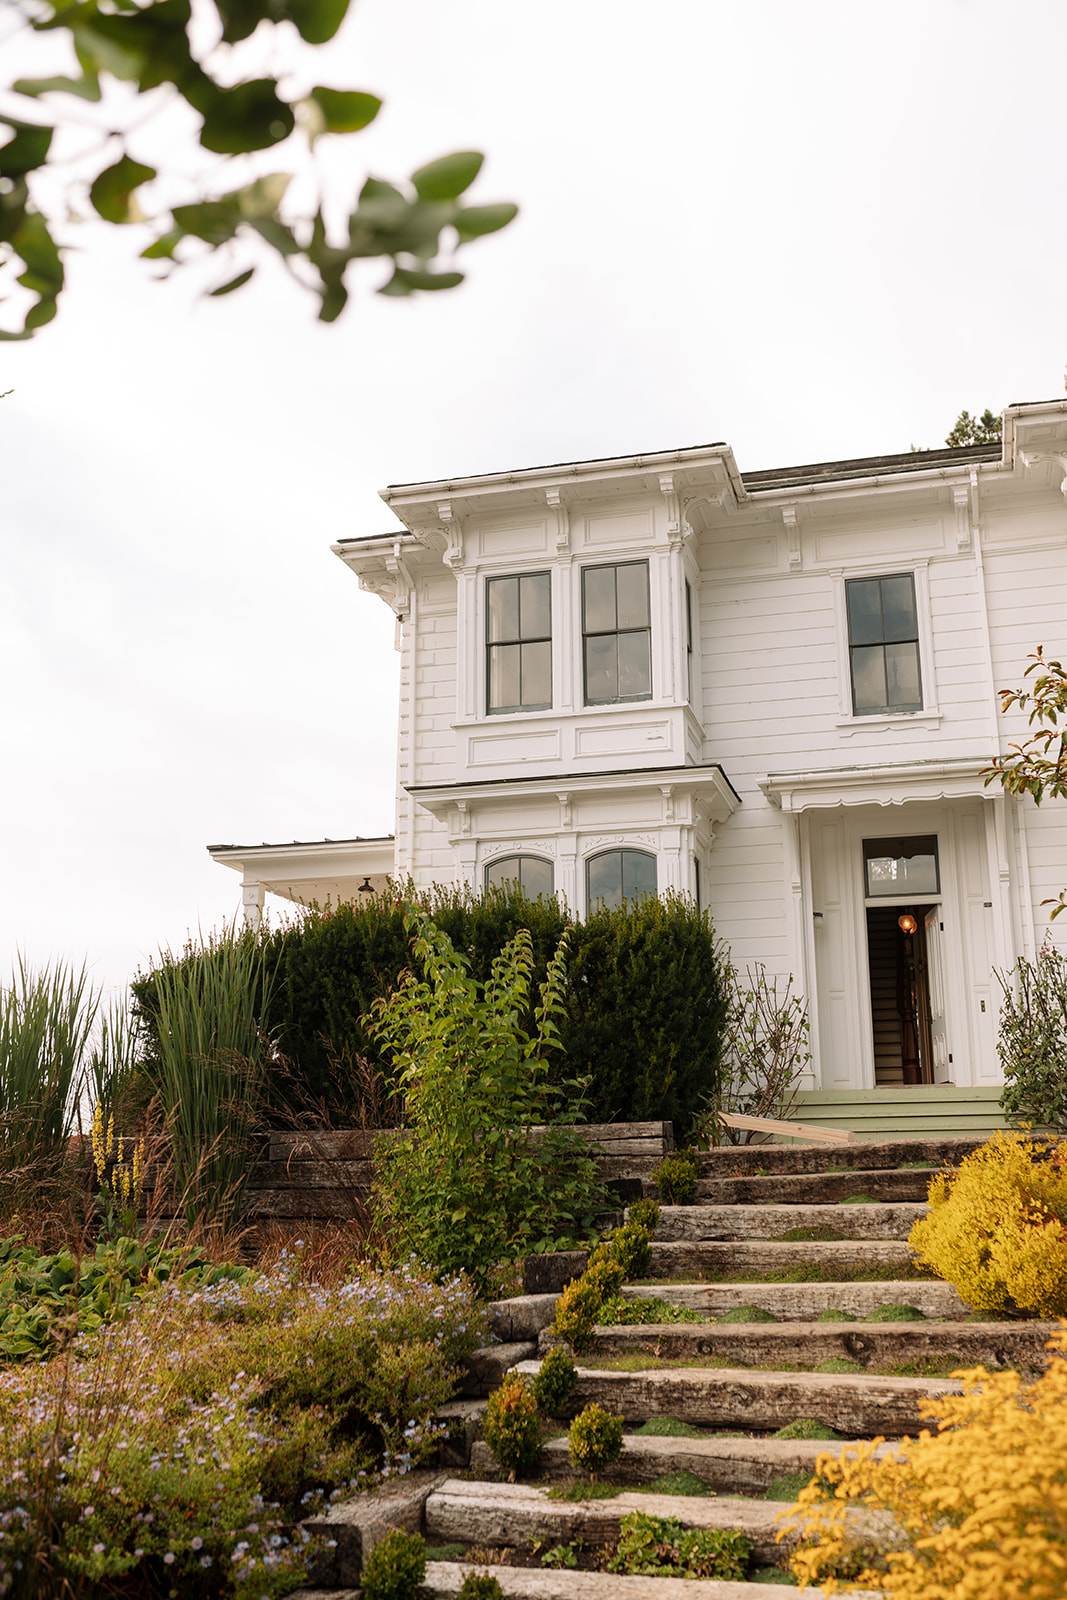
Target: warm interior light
(907, 924)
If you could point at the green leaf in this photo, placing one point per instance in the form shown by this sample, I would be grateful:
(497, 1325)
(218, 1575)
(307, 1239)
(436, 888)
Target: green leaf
(247, 117)
(162, 249)
(214, 221)
(262, 198)
(378, 189)
(344, 110)
(447, 177)
(27, 151)
(112, 191)
(317, 20)
(474, 221)
(405, 281)
(87, 87)
(241, 18)
(234, 283)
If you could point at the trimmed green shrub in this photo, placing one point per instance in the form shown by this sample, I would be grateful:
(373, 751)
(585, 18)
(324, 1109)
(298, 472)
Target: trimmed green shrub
(676, 1177)
(631, 1248)
(595, 1439)
(646, 1212)
(553, 1384)
(513, 1426)
(647, 1009)
(480, 1586)
(395, 1567)
(576, 1313)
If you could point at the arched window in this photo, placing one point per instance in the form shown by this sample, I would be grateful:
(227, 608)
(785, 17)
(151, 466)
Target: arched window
(533, 875)
(616, 876)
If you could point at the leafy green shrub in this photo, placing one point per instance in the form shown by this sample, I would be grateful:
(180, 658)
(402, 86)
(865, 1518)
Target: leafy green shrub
(605, 1272)
(676, 1177)
(471, 1185)
(1032, 1040)
(624, 1255)
(46, 1299)
(395, 1567)
(997, 1227)
(595, 1438)
(647, 1010)
(480, 1586)
(620, 1312)
(513, 1426)
(645, 1212)
(659, 1547)
(555, 1381)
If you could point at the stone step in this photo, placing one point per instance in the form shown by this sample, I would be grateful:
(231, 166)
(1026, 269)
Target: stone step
(815, 1188)
(728, 1466)
(738, 1397)
(444, 1579)
(872, 1345)
(518, 1515)
(870, 1154)
(693, 1260)
(893, 1221)
(802, 1302)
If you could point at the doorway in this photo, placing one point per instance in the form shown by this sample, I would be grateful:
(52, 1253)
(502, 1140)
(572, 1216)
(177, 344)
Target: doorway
(903, 1023)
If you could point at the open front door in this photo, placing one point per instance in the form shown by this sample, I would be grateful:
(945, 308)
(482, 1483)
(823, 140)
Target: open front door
(935, 973)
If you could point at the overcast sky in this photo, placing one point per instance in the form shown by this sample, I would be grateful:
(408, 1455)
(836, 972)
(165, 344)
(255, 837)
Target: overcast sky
(814, 230)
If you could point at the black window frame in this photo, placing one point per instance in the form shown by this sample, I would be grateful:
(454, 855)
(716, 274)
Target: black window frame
(519, 641)
(615, 633)
(902, 847)
(910, 637)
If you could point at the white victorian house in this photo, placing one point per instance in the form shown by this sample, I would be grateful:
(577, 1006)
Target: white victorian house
(773, 691)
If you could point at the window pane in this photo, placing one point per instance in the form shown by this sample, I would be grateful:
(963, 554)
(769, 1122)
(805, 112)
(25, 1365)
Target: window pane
(536, 877)
(536, 674)
(902, 677)
(638, 874)
(503, 676)
(864, 612)
(598, 592)
(899, 868)
(601, 668)
(503, 606)
(898, 609)
(604, 880)
(502, 872)
(868, 679)
(633, 594)
(635, 666)
(535, 616)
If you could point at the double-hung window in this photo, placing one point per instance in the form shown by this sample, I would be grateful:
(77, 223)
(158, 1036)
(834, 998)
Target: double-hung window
(519, 643)
(616, 633)
(883, 645)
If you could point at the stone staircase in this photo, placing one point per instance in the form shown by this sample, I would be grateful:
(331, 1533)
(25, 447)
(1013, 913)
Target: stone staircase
(804, 1250)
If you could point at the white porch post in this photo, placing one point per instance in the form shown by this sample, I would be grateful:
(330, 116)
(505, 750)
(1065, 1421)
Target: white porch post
(253, 896)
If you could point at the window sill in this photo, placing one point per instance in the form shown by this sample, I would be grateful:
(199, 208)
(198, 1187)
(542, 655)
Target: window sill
(883, 721)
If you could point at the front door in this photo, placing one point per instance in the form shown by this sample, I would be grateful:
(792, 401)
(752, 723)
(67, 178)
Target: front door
(935, 971)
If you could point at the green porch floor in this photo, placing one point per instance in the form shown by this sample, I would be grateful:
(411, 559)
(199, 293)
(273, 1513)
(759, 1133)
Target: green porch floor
(916, 1112)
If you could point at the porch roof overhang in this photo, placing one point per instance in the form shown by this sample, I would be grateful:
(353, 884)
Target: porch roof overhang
(312, 871)
(707, 784)
(880, 785)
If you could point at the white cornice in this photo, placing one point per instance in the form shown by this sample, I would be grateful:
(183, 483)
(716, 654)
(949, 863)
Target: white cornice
(877, 785)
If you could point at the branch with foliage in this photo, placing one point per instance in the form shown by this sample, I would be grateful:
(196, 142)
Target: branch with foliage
(974, 430)
(1037, 766)
(766, 1053)
(167, 58)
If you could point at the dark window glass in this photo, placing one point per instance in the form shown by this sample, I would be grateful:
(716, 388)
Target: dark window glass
(616, 633)
(900, 868)
(533, 875)
(617, 876)
(689, 644)
(518, 631)
(883, 637)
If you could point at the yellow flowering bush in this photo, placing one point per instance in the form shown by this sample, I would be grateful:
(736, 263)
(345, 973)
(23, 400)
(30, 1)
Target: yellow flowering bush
(997, 1228)
(979, 1506)
(121, 1181)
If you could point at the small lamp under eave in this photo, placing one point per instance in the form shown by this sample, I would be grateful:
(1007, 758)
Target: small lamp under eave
(365, 886)
(907, 924)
